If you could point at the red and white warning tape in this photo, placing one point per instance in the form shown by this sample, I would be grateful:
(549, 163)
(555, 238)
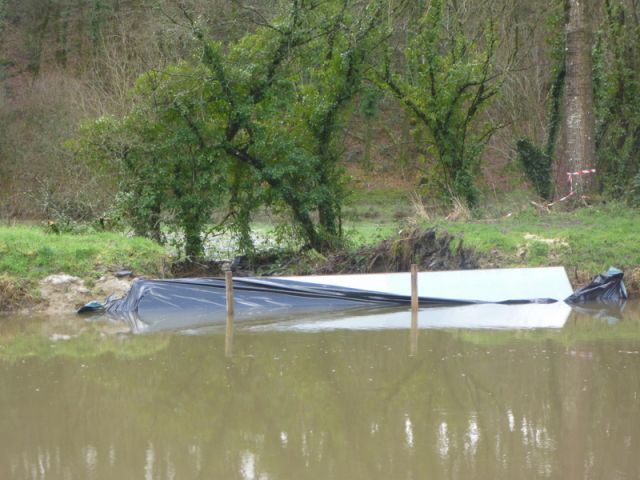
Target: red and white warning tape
(572, 191)
(582, 172)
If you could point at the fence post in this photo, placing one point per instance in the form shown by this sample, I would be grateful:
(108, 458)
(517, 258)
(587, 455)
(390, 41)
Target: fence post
(228, 337)
(413, 339)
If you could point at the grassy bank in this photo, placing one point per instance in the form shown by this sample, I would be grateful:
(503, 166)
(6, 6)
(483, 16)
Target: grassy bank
(29, 254)
(585, 241)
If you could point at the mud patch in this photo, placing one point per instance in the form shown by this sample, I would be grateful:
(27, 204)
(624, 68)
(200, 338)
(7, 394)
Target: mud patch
(14, 293)
(65, 293)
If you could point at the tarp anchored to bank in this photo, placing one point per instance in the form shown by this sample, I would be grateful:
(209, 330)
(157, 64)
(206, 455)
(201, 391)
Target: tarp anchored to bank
(178, 304)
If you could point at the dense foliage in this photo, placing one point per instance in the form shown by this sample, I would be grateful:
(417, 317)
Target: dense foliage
(617, 96)
(537, 166)
(447, 81)
(254, 123)
(198, 115)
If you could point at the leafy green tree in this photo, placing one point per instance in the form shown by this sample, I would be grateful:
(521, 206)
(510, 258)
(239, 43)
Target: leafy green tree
(330, 76)
(165, 177)
(255, 123)
(254, 97)
(447, 81)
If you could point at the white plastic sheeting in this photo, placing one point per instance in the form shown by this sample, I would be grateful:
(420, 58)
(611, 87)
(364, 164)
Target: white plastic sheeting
(483, 316)
(490, 285)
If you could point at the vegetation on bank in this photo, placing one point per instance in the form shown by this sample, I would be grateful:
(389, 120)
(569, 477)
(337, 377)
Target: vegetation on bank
(30, 253)
(204, 114)
(586, 241)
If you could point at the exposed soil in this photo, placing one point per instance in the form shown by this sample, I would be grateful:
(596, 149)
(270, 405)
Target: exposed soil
(65, 293)
(14, 294)
(429, 249)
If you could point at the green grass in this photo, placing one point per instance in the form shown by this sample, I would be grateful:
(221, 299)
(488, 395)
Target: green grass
(376, 206)
(30, 253)
(587, 239)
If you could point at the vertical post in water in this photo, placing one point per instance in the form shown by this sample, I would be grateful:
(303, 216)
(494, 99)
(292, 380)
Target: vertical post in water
(413, 343)
(414, 287)
(228, 337)
(228, 285)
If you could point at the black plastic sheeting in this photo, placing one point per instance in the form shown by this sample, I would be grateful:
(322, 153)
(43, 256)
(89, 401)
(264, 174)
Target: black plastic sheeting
(607, 287)
(199, 301)
(202, 301)
(253, 294)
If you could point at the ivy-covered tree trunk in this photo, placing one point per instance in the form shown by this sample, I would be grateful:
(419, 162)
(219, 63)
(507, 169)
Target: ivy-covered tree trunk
(579, 106)
(193, 246)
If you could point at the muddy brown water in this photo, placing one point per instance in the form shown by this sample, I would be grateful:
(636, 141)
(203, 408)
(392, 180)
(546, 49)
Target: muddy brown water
(332, 404)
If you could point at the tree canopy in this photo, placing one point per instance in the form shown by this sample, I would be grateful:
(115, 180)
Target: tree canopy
(255, 123)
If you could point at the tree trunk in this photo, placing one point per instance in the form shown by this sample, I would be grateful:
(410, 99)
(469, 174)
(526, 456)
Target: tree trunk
(579, 110)
(193, 247)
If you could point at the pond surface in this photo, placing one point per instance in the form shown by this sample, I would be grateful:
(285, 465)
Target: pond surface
(559, 403)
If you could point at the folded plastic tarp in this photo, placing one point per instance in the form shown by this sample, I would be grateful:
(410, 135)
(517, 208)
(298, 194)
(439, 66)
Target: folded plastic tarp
(607, 287)
(178, 304)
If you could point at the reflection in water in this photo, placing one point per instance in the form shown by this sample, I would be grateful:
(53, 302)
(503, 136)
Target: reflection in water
(561, 403)
(228, 336)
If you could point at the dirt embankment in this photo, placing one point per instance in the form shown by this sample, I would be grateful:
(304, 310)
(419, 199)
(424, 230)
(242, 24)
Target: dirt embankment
(429, 249)
(64, 293)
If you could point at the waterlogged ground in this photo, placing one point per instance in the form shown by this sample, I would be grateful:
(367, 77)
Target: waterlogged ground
(329, 404)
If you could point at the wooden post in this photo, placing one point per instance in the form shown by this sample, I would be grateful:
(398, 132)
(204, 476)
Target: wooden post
(228, 283)
(414, 287)
(228, 337)
(413, 339)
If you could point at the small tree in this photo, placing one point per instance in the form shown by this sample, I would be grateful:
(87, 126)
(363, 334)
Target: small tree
(281, 97)
(165, 177)
(330, 77)
(448, 80)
